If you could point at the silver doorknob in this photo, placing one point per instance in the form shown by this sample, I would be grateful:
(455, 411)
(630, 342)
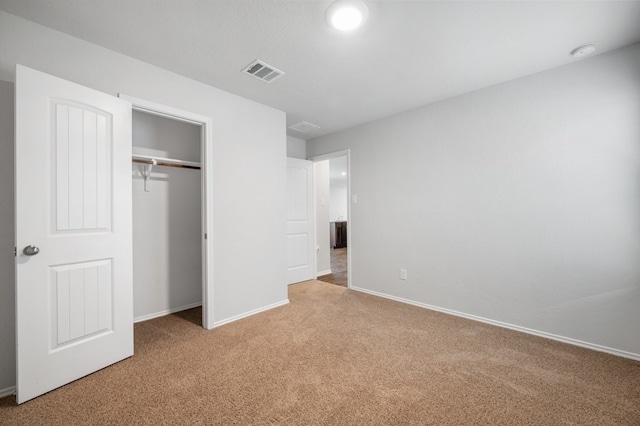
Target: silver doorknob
(31, 250)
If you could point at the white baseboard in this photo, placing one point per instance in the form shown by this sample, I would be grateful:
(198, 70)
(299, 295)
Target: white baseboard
(7, 391)
(165, 312)
(321, 273)
(250, 313)
(538, 333)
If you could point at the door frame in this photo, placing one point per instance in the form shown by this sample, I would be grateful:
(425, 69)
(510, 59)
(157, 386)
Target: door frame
(329, 156)
(206, 157)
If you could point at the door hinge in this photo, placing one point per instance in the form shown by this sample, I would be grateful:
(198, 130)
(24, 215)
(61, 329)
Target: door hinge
(15, 252)
(205, 236)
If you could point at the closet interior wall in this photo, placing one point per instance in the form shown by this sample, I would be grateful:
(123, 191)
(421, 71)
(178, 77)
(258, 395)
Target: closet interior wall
(167, 243)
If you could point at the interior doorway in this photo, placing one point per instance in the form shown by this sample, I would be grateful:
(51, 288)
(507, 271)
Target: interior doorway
(333, 218)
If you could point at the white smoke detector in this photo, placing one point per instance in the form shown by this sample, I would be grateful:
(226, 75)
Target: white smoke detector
(584, 50)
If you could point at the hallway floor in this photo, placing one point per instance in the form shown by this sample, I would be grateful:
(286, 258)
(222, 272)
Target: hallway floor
(338, 273)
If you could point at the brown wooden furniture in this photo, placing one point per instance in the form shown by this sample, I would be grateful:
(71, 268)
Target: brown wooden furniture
(338, 234)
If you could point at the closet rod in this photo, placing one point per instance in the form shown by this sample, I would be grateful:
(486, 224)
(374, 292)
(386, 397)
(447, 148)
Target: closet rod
(170, 162)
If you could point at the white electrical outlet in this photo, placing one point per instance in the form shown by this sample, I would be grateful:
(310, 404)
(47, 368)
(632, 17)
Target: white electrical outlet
(403, 274)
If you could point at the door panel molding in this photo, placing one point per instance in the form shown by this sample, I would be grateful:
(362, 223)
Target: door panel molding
(74, 298)
(300, 221)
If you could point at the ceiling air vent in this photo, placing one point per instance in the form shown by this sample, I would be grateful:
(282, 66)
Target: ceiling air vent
(262, 71)
(303, 127)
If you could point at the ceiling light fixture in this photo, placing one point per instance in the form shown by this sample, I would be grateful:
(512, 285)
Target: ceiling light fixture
(347, 15)
(583, 50)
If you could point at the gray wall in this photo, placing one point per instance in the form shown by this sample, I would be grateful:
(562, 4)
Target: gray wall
(518, 203)
(167, 252)
(7, 264)
(338, 189)
(296, 148)
(249, 162)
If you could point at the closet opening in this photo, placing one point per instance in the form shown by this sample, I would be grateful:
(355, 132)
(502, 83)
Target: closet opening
(170, 220)
(167, 216)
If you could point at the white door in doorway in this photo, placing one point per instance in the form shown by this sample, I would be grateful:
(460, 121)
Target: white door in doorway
(74, 293)
(300, 241)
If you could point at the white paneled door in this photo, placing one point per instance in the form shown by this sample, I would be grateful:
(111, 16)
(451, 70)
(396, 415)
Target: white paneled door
(300, 237)
(74, 295)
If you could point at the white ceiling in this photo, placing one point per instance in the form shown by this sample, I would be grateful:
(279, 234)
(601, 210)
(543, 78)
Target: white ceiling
(410, 53)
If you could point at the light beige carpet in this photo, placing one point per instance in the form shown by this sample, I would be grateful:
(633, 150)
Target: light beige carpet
(334, 356)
